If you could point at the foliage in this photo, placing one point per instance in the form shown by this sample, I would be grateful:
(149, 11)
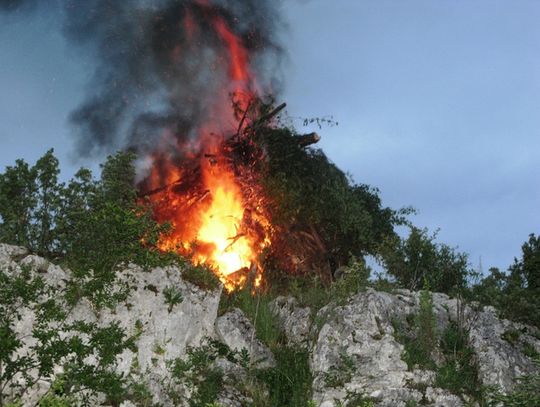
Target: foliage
(91, 225)
(420, 338)
(426, 325)
(172, 297)
(308, 192)
(418, 259)
(341, 374)
(197, 373)
(201, 276)
(255, 304)
(313, 293)
(289, 383)
(459, 373)
(526, 392)
(71, 345)
(515, 294)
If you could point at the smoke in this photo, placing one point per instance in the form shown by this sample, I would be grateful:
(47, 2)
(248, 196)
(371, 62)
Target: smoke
(152, 72)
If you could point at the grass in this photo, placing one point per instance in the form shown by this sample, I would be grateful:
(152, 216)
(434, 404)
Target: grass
(256, 306)
(201, 276)
(289, 383)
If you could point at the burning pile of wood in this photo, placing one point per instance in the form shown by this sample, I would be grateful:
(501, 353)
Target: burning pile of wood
(295, 250)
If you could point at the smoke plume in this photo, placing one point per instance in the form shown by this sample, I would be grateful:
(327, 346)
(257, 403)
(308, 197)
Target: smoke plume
(157, 63)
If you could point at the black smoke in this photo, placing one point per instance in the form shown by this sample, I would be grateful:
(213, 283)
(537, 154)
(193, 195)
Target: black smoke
(149, 76)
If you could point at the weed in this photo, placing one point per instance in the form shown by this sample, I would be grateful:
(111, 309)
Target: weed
(342, 373)
(530, 351)
(256, 306)
(511, 336)
(459, 373)
(172, 297)
(201, 276)
(289, 383)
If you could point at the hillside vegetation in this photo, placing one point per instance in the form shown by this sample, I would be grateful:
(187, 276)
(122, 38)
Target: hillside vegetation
(94, 225)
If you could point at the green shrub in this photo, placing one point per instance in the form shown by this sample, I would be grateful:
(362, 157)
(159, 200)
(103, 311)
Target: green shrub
(516, 294)
(197, 372)
(419, 339)
(308, 194)
(255, 304)
(419, 259)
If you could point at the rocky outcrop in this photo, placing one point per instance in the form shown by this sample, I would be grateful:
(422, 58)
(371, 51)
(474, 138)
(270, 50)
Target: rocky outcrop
(354, 349)
(356, 353)
(162, 332)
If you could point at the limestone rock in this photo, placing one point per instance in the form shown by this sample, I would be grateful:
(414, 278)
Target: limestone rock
(294, 321)
(162, 332)
(237, 332)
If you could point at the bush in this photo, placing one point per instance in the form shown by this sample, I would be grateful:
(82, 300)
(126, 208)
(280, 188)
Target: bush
(459, 373)
(418, 259)
(515, 294)
(91, 225)
(289, 383)
(309, 196)
(419, 339)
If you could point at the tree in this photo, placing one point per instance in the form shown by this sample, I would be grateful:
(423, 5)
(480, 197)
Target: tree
(18, 201)
(47, 195)
(529, 266)
(515, 294)
(418, 259)
(310, 196)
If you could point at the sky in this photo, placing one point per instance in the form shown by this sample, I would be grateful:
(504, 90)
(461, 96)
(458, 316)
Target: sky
(437, 104)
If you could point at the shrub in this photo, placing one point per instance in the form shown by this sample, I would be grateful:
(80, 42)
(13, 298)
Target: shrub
(515, 294)
(309, 195)
(420, 338)
(418, 259)
(459, 373)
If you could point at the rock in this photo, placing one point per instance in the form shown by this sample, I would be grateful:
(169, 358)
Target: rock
(353, 356)
(10, 253)
(356, 353)
(294, 321)
(163, 332)
(36, 263)
(500, 361)
(237, 332)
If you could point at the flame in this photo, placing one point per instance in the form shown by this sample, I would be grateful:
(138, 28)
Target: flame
(216, 220)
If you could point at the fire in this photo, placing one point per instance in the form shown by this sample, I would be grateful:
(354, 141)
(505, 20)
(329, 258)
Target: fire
(217, 219)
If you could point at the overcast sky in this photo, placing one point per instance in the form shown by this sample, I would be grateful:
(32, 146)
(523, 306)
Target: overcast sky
(438, 104)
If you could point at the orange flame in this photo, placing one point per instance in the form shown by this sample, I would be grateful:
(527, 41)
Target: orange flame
(214, 220)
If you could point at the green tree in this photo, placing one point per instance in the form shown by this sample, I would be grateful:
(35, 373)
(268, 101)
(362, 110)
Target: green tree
(418, 259)
(48, 193)
(527, 270)
(18, 200)
(309, 195)
(515, 294)
(118, 179)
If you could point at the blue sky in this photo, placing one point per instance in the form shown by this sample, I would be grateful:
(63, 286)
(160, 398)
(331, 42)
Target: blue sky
(438, 104)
